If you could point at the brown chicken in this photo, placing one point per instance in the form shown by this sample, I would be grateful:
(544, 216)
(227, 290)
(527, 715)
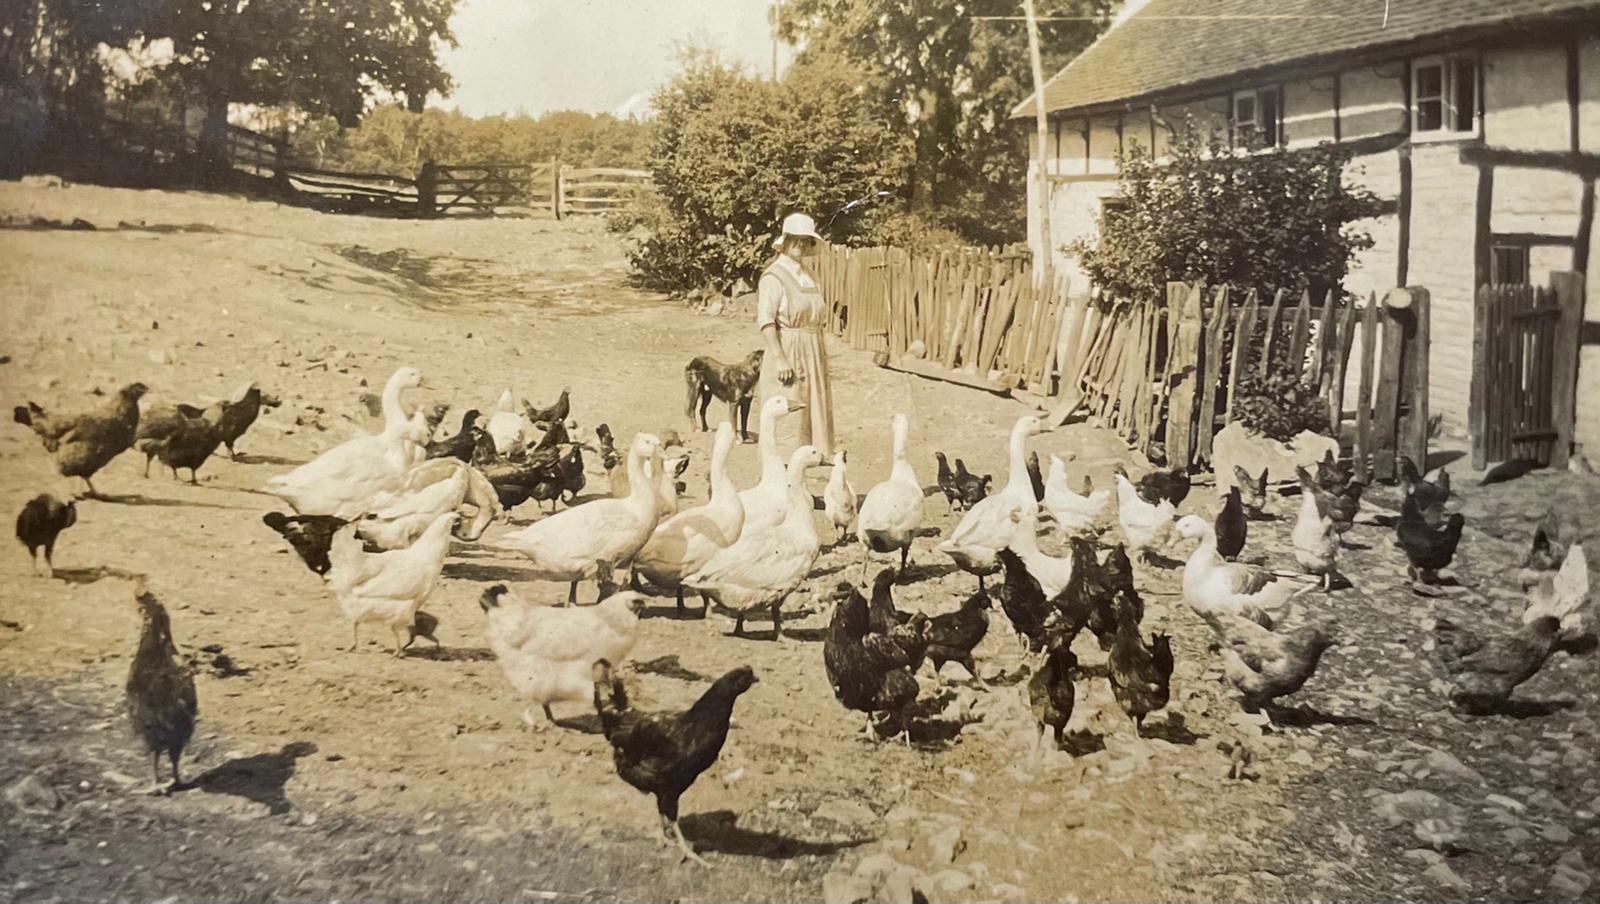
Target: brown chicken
(162, 705)
(1140, 676)
(1485, 670)
(181, 437)
(85, 443)
(240, 412)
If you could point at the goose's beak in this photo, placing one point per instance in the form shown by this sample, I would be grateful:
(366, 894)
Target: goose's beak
(795, 406)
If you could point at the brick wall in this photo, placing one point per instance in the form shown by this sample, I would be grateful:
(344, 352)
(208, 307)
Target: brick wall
(1444, 195)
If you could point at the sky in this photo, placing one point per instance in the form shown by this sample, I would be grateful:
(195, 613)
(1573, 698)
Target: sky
(599, 56)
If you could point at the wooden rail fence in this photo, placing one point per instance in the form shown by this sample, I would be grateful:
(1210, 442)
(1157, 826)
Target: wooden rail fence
(596, 189)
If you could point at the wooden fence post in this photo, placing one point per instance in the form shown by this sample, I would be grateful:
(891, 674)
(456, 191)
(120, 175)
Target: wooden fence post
(1369, 339)
(1564, 370)
(558, 188)
(1212, 361)
(1414, 434)
(1477, 404)
(1386, 413)
(1269, 337)
(1190, 311)
(428, 190)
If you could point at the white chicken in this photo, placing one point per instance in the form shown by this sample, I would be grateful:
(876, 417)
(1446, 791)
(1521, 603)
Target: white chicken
(547, 652)
(839, 497)
(388, 587)
(1563, 595)
(1211, 585)
(1143, 525)
(1316, 539)
(1052, 572)
(1072, 512)
(507, 426)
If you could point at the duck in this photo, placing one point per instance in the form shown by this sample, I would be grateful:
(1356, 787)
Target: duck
(1143, 524)
(1072, 512)
(1315, 535)
(579, 543)
(1211, 585)
(683, 543)
(892, 513)
(507, 427)
(768, 561)
(344, 480)
(398, 519)
(839, 497)
(988, 526)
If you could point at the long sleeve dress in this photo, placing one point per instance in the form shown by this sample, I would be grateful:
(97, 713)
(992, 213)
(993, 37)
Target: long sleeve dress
(791, 298)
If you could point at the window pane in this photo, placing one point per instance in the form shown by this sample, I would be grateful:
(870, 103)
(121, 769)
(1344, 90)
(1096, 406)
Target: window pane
(1269, 118)
(1430, 82)
(1464, 99)
(1508, 264)
(1430, 115)
(1244, 110)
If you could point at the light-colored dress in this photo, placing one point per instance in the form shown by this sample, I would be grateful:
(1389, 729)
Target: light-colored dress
(789, 296)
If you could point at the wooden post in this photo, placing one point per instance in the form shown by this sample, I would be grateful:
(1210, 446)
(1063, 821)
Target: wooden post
(1297, 338)
(1042, 120)
(1341, 363)
(1369, 339)
(1391, 362)
(1186, 359)
(1478, 404)
(1270, 335)
(1207, 423)
(1243, 330)
(558, 188)
(428, 190)
(1413, 439)
(1568, 287)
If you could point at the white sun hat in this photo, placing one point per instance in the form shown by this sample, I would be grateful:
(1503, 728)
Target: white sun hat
(798, 224)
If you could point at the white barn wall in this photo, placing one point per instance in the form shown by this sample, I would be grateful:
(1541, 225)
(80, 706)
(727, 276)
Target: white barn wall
(1587, 430)
(1443, 236)
(1525, 98)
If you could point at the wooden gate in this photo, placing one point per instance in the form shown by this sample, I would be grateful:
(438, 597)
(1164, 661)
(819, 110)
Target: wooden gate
(1524, 378)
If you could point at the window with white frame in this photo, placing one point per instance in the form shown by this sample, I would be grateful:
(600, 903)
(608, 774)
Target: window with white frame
(1444, 95)
(1255, 117)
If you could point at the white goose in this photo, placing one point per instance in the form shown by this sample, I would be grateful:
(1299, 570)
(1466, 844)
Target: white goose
(683, 543)
(1143, 525)
(892, 513)
(576, 544)
(1212, 586)
(987, 526)
(398, 519)
(1073, 512)
(839, 497)
(764, 502)
(344, 480)
(768, 561)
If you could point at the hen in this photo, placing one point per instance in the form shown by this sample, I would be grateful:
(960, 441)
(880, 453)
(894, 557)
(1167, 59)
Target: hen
(952, 636)
(1172, 486)
(1340, 503)
(972, 488)
(1428, 549)
(1564, 595)
(1050, 691)
(555, 414)
(947, 482)
(240, 412)
(1090, 598)
(1429, 494)
(1547, 550)
(1140, 676)
(310, 535)
(388, 587)
(85, 443)
(1266, 664)
(462, 444)
(181, 436)
(1232, 527)
(1144, 524)
(1315, 535)
(662, 753)
(884, 618)
(1022, 600)
(39, 523)
(869, 673)
(1485, 671)
(162, 704)
(547, 652)
(1252, 489)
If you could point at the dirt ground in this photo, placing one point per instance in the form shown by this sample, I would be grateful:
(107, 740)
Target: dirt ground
(325, 775)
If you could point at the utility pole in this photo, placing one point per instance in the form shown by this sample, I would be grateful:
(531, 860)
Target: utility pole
(1044, 133)
(773, 16)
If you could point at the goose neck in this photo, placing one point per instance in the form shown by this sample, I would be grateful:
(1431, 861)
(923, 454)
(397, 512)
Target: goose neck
(394, 413)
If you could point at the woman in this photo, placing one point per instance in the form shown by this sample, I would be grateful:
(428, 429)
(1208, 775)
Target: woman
(791, 315)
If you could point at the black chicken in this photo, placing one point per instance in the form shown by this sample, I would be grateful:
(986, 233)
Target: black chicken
(238, 414)
(663, 753)
(1171, 485)
(869, 673)
(310, 535)
(162, 704)
(1265, 664)
(39, 523)
(1035, 476)
(973, 488)
(1428, 549)
(1331, 475)
(462, 444)
(947, 482)
(1429, 494)
(1050, 691)
(609, 456)
(83, 444)
(953, 636)
(182, 436)
(1486, 670)
(1140, 676)
(1252, 489)
(555, 414)
(1232, 527)
(422, 625)
(1092, 594)
(1023, 600)
(883, 618)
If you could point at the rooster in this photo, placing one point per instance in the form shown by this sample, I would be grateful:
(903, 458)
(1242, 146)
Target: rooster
(663, 753)
(162, 704)
(85, 443)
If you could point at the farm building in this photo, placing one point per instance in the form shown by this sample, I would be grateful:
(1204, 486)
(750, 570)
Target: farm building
(1478, 119)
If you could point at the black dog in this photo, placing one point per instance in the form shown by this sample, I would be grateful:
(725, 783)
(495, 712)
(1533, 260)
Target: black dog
(732, 383)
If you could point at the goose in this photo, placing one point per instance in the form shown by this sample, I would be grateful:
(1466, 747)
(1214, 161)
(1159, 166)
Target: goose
(839, 497)
(987, 526)
(398, 519)
(579, 543)
(1143, 525)
(344, 480)
(1072, 512)
(1212, 586)
(764, 502)
(768, 561)
(684, 542)
(892, 513)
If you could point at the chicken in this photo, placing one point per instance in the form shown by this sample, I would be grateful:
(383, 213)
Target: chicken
(544, 474)
(972, 488)
(39, 523)
(310, 535)
(1089, 599)
(662, 753)
(181, 436)
(1485, 671)
(1050, 691)
(1140, 676)
(555, 414)
(883, 618)
(1340, 503)
(461, 445)
(1429, 494)
(609, 456)
(547, 652)
(387, 586)
(423, 625)
(1035, 476)
(1172, 486)
(1023, 601)
(1265, 664)
(1232, 526)
(1563, 595)
(162, 704)
(1253, 490)
(85, 443)
(1315, 536)
(1547, 551)
(869, 673)
(947, 482)
(240, 411)
(839, 497)
(1427, 549)
(952, 636)
(1072, 512)
(1144, 524)
(1332, 476)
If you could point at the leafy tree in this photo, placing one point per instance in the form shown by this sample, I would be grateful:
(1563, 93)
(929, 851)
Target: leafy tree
(733, 153)
(1258, 219)
(948, 73)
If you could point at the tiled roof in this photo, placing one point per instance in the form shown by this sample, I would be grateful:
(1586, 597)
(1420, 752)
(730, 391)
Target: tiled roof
(1174, 44)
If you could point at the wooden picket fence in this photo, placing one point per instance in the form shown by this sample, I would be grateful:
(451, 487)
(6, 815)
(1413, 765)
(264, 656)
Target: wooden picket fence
(1525, 347)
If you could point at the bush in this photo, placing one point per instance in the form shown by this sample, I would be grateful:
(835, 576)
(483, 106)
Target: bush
(1265, 220)
(733, 154)
(1278, 404)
